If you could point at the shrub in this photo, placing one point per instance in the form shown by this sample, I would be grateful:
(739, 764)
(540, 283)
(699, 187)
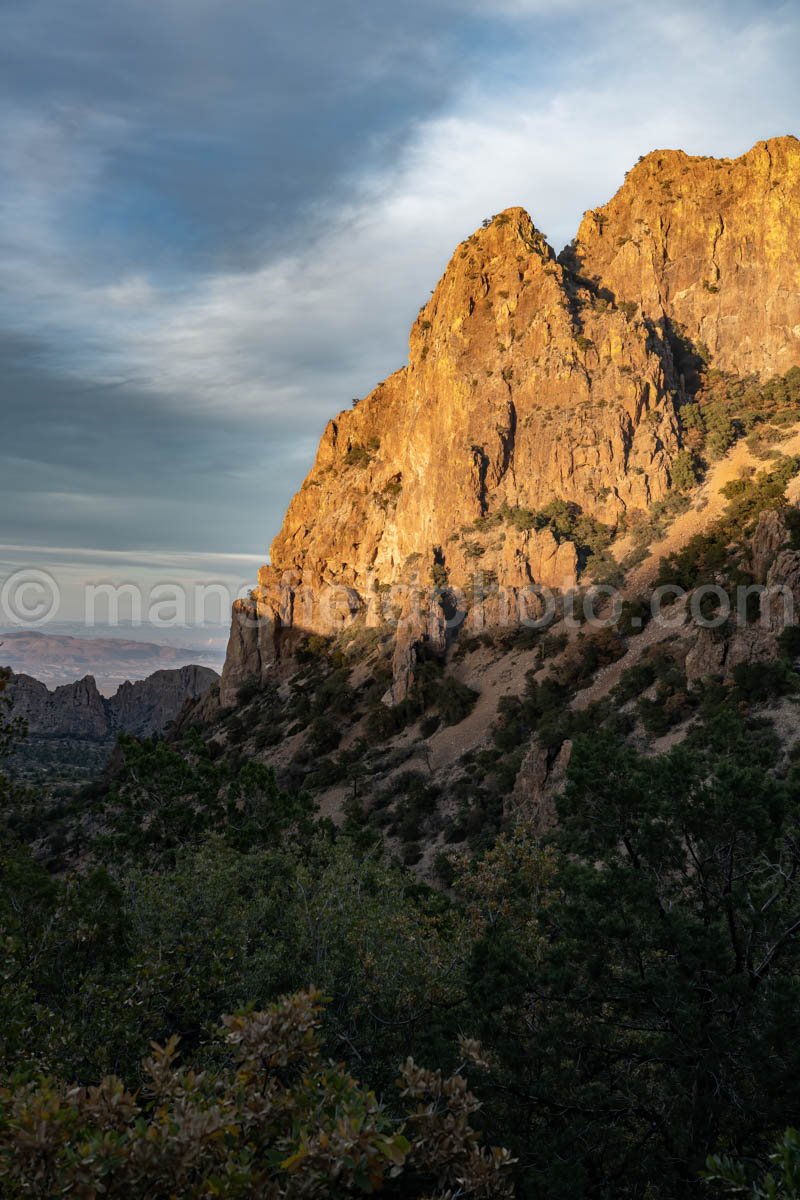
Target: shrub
(248, 691)
(276, 1119)
(634, 681)
(429, 725)
(312, 648)
(455, 700)
(782, 1182)
(553, 643)
(727, 407)
(789, 641)
(761, 681)
(357, 456)
(389, 493)
(684, 471)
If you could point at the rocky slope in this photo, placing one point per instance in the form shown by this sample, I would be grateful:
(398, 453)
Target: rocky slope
(533, 379)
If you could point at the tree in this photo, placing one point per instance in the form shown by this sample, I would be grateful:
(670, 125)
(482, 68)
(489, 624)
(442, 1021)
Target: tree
(683, 471)
(12, 729)
(633, 1035)
(781, 1184)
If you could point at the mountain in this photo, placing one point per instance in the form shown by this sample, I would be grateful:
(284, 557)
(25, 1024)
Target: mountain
(111, 656)
(505, 759)
(536, 380)
(79, 710)
(75, 727)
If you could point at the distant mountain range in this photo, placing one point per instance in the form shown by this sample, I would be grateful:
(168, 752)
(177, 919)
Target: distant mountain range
(112, 656)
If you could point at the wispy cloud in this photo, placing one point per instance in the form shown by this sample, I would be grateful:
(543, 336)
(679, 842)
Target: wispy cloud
(153, 558)
(328, 317)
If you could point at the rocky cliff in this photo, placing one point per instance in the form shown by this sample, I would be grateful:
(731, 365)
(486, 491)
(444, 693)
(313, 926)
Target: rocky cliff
(532, 379)
(707, 248)
(74, 710)
(78, 710)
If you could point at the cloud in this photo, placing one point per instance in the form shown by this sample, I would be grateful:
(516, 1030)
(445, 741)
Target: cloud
(215, 266)
(304, 330)
(103, 582)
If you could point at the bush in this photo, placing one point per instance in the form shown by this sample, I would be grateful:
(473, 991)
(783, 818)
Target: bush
(276, 1119)
(248, 691)
(684, 471)
(429, 725)
(455, 700)
(634, 681)
(782, 1182)
(313, 648)
(761, 681)
(357, 456)
(727, 407)
(789, 641)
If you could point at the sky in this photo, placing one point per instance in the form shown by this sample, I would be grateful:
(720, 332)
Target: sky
(218, 219)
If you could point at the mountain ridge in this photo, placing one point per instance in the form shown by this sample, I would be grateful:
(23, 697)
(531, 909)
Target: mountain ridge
(58, 658)
(79, 709)
(534, 379)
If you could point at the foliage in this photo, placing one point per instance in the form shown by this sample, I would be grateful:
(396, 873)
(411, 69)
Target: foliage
(567, 522)
(357, 456)
(684, 471)
(11, 729)
(783, 1185)
(709, 555)
(666, 973)
(757, 682)
(727, 407)
(273, 1119)
(455, 700)
(164, 798)
(621, 992)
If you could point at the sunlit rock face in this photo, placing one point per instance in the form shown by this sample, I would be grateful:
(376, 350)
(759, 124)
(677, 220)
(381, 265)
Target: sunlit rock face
(709, 245)
(532, 379)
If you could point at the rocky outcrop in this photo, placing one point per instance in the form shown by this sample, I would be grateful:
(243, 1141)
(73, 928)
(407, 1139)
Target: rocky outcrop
(532, 379)
(74, 710)
(421, 624)
(539, 781)
(768, 538)
(776, 572)
(79, 711)
(708, 246)
(149, 705)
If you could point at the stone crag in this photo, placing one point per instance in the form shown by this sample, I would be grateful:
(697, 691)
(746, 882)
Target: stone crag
(78, 710)
(708, 246)
(532, 378)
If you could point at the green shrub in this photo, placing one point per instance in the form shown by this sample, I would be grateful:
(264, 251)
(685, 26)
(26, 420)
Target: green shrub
(276, 1118)
(684, 471)
(727, 407)
(789, 641)
(780, 1180)
(455, 700)
(357, 456)
(634, 681)
(759, 682)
